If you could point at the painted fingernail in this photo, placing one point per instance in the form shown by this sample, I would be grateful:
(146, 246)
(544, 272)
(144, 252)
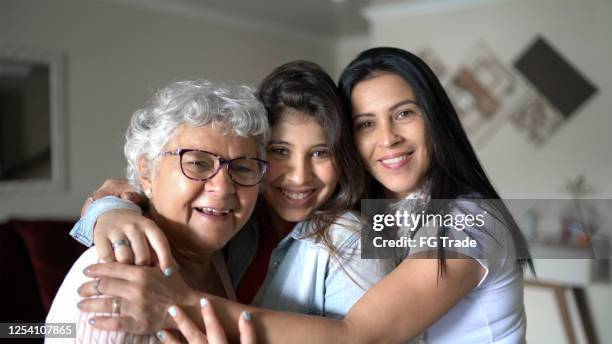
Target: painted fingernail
(246, 315)
(203, 302)
(172, 311)
(92, 321)
(86, 271)
(80, 304)
(161, 335)
(168, 272)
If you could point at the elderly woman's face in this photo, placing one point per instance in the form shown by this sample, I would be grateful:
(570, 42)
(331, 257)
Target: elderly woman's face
(202, 213)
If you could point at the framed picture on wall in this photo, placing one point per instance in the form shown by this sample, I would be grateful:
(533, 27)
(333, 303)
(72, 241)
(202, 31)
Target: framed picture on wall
(481, 89)
(32, 121)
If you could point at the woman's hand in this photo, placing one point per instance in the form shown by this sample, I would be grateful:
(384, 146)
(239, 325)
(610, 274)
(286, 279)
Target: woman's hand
(139, 297)
(128, 237)
(115, 187)
(214, 330)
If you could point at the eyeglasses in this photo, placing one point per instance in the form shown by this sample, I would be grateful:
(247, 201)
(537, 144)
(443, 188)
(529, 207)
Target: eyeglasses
(202, 165)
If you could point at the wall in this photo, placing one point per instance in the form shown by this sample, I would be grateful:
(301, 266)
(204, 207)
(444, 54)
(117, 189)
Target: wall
(580, 32)
(116, 56)
(346, 50)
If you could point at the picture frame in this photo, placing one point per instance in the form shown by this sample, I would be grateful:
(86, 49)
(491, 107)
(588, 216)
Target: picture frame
(24, 59)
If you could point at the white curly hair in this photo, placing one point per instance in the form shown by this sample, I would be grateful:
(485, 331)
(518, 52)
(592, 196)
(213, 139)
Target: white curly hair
(197, 103)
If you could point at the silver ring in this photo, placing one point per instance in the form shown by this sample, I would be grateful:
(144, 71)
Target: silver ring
(96, 286)
(121, 242)
(116, 305)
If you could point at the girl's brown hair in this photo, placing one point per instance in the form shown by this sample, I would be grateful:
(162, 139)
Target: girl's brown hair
(304, 87)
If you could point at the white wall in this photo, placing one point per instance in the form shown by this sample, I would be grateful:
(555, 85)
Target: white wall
(580, 30)
(346, 50)
(116, 56)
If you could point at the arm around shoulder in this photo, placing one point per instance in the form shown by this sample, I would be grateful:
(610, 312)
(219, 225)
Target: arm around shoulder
(410, 299)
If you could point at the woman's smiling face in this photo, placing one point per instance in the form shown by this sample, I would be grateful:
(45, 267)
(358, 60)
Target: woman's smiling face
(301, 175)
(390, 133)
(201, 214)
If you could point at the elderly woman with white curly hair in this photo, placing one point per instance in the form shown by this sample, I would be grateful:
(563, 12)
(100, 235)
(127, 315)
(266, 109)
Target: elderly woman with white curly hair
(196, 151)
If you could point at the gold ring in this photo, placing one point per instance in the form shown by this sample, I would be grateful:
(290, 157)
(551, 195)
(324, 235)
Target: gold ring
(116, 305)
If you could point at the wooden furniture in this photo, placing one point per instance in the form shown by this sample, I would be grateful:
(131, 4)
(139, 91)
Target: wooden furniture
(569, 269)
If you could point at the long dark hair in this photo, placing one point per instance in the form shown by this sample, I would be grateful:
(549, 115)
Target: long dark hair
(305, 87)
(454, 171)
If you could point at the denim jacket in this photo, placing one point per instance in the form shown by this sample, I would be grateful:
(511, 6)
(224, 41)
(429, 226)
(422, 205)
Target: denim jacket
(303, 275)
(83, 229)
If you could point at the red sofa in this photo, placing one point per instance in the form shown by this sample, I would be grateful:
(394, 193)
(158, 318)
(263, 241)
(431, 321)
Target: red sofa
(34, 258)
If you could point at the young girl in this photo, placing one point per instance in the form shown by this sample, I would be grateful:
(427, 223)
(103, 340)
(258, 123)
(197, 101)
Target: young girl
(410, 139)
(303, 229)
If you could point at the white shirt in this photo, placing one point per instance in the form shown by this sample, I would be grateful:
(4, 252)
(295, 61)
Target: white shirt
(64, 308)
(493, 312)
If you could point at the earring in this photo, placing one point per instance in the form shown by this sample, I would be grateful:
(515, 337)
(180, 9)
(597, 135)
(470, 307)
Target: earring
(148, 193)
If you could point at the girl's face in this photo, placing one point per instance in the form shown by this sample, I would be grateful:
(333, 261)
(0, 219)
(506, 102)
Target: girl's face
(390, 133)
(301, 176)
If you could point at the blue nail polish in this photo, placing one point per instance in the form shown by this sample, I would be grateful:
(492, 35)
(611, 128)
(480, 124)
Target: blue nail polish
(168, 272)
(203, 302)
(161, 335)
(172, 311)
(92, 321)
(246, 315)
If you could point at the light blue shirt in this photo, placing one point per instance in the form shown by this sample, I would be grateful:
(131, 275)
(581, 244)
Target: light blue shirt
(303, 276)
(83, 229)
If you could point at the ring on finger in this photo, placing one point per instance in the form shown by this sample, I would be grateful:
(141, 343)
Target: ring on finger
(116, 305)
(121, 242)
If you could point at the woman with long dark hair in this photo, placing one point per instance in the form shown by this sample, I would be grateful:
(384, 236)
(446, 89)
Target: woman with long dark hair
(448, 167)
(410, 139)
(411, 142)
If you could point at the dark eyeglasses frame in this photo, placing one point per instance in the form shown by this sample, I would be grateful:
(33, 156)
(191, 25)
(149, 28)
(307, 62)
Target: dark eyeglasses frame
(222, 161)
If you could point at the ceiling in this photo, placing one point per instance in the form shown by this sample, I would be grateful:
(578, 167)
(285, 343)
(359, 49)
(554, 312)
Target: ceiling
(319, 18)
(316, 17)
